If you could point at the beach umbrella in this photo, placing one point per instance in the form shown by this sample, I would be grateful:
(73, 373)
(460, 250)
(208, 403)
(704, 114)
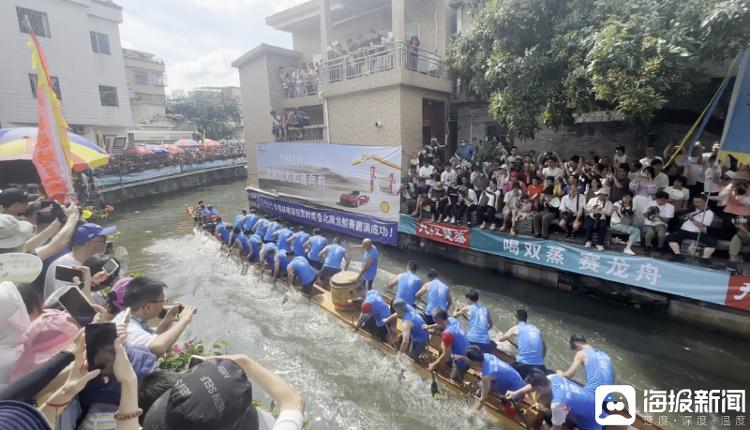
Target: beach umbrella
(187, 143)
(156, 149)
(138, 150)
(173, 149)
(18, 144)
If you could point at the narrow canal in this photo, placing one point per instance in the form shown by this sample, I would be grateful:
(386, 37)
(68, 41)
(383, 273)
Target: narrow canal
(348, 384)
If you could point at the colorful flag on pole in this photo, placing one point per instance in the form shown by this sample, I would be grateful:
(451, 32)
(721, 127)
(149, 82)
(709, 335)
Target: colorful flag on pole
(735, 140)
(51, 156)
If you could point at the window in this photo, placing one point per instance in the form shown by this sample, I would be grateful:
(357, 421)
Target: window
(99, 42)
(55, 85)
(38, 21)
(140, 77)
(108, 96)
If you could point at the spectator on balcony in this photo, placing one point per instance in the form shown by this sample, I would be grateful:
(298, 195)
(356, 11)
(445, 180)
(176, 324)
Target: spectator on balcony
(622, 219)
(511, 205)
(452, 193)
(277, 129)
(438, 200)
(656, 221)
(465, 152)
(679, 195)
(620, 157)
(535, 189)
(467, 201)
(650, 156)
(449, 174)
(412, 49)
(546, 211)
(425, 171)
(695, 227)
(551, 168)
(598, 209)
(693, 171)
(284, 76)
(660, 178)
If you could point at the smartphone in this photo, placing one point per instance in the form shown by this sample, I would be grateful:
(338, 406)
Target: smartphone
(67, 273)
(110, 266)
(78, 306)
(164, 311)
(99, 337)
(194, 361)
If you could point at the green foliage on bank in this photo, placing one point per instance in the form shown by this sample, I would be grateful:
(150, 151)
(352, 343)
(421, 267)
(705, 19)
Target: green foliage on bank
(552, 59)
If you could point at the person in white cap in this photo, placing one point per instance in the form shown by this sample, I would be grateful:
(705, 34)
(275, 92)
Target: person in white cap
(18, 236)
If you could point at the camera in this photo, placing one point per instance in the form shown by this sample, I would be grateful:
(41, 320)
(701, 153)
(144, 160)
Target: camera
(652, 212)
(627, 212)
(596, 215)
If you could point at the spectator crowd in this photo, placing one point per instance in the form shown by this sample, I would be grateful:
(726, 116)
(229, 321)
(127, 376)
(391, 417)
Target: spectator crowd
(138, 162)
(663, 203)
(82, 339)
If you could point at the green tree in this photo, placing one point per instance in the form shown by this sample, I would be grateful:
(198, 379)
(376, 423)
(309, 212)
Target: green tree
(552, 59)
(214, 113)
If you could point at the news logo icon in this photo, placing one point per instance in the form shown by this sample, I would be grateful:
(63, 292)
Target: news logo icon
(615, 405)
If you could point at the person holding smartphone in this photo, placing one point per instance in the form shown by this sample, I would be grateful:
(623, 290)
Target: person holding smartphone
(145, 297)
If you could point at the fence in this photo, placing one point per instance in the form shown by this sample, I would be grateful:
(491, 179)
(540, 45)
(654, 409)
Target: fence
(143, 175)
(396, 55)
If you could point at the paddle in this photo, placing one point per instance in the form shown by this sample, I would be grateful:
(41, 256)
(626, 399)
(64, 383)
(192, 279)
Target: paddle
(434, 388)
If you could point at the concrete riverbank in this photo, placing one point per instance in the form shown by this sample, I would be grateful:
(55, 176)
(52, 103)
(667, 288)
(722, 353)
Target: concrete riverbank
(115, 194)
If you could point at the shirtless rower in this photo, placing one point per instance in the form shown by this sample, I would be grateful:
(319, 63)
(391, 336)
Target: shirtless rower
(531, 346)
(480, 321)
(407, 284)
(596, 363)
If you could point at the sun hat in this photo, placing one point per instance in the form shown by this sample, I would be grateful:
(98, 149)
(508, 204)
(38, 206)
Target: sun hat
(14, 233)
(47, 335)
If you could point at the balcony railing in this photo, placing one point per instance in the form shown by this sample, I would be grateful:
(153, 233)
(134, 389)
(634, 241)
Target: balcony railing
(307, 133)
(395, 55)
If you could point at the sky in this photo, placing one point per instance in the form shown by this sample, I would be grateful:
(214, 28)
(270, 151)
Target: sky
(198, 39)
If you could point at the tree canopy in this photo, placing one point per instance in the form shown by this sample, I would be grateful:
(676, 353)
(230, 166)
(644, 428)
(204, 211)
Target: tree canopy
(552, 59)
(214, 113)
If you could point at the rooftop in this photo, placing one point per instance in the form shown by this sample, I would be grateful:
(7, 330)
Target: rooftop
(308, 13)
(109, 3)
(264, 49)
(140, 55)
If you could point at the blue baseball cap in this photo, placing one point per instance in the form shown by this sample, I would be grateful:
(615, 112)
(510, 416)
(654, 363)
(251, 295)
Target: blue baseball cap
(88, 231)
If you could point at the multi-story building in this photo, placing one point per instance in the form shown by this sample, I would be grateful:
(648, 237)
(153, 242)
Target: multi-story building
(147, 81)
(81, 40)
(373, 73)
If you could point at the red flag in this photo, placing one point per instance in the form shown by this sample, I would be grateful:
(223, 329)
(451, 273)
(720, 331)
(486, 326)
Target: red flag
(52, 151)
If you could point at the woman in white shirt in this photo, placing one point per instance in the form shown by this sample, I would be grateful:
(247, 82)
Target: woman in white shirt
(622, 219)
(645, 185)
(597, 210)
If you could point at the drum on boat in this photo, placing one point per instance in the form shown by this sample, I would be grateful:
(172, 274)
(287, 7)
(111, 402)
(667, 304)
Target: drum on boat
(344, 290)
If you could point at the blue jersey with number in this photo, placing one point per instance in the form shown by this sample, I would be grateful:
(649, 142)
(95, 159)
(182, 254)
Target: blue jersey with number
(479, 324)
(408, 285)
(599, 369)
(530, 345)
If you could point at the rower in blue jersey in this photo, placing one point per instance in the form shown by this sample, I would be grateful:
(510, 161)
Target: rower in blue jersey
(267, 256)
(407, 284)
(314, 245)
(297, 241)
(233, 238)
(270, 230)
(437, 295)
(282, 236)
(255, 242)
(596, 363)
(250, 220)
(567, 401)
(222, 232)
(244, 243)
(209, 212)
(300, 269)
(497, 375)
(531, 346)
(414, 337)
(280, 261)
(239, 220)
(454, 344)
(374, 312)
(332, 255)
(480, 321)
(260, 227)
(369, 265)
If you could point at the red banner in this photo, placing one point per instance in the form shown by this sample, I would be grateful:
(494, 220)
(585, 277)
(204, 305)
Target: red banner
(738, 293)
(445, 233)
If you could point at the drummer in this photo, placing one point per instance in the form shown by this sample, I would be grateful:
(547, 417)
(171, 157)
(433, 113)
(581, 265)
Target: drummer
(414, 338)
(369, 265)
(374, 312)
(331, 256)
